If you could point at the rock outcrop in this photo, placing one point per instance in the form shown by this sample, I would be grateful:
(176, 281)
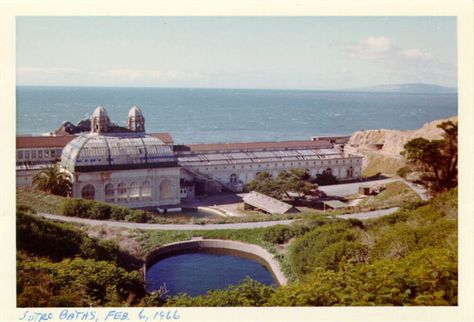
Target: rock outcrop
(382, 148)
(391, 142)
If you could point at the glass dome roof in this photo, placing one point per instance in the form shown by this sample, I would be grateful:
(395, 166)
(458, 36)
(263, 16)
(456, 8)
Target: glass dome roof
(92, 152)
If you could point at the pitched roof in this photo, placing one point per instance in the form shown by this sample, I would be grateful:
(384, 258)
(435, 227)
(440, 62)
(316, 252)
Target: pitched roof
(297, 144)
(335, 204)
(60, 141)
(267, 203)
(25, 142)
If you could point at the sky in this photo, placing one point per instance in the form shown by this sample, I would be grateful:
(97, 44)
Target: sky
(236, 52)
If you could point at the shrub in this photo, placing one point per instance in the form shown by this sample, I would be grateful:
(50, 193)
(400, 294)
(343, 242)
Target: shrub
(102, 211)
(97, 283)
(138, 216)
(278, 234)
(58, 240)
(324, 246)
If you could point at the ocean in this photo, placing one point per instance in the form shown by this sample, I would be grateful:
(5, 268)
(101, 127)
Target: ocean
(232, 115)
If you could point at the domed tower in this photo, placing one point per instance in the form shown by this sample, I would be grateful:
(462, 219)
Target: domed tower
(136, 121)
(100, 121)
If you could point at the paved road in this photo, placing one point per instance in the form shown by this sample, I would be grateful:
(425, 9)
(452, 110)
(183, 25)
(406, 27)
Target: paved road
(352, 188)
(421, 191)
(247, 225)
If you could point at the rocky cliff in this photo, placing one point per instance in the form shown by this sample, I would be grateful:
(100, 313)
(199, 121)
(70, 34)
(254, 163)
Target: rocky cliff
(382, 148)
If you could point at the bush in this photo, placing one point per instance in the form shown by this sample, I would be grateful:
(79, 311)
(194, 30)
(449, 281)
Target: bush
(138, 216)
(278, 234)
(248, 293)
(402, 172)
(103, 211)
(58, 240)
(427, 277)
(75, 282)
(325, 246)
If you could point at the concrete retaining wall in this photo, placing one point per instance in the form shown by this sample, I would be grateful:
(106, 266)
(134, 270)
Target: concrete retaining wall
(252, 250)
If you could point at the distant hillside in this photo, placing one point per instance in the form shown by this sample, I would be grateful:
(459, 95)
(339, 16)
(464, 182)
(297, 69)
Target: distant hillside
(408, 88)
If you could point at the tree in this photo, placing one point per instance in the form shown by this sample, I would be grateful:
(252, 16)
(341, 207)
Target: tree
(325, 178)
(285, 185)
(436, 161)
(53, 180)
(294, 181)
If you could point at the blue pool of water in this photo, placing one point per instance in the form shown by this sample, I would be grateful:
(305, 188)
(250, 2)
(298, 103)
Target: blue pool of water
(197, 272)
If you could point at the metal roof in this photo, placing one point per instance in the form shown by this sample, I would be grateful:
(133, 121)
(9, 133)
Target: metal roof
(296, 144)
(292, 156)
(335, 204)
(267, 203)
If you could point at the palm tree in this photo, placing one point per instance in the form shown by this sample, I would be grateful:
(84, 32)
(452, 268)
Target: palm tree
(53, 180)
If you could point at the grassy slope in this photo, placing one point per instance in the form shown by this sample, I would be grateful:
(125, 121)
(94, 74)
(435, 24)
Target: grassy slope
(395, 194)
(39, 201)
(378, 163)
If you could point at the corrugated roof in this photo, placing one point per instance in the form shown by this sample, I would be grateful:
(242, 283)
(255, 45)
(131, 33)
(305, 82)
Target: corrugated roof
(259, 145)
(60, 141)
(335, 204)
(267, 203)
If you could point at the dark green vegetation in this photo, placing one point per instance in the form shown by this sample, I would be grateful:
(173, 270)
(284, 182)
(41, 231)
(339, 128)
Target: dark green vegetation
(52, 180)
(435, 161)
(59, 265)
(296, 181)
(102, 211)
(408, 258)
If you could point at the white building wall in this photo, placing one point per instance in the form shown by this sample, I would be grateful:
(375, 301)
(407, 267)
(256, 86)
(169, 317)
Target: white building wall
(155, 177)
(248, 171)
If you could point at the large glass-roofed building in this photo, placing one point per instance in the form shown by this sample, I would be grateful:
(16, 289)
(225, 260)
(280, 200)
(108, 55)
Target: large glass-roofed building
(122, 165)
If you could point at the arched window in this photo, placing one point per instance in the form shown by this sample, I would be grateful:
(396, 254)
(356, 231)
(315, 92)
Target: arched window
(165, 190)
(122, 192)
(146, 190)
(109, 192)
(233, 178)
(350, 172)
(134, 191)
(88, 192)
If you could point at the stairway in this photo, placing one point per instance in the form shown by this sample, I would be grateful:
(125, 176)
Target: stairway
(201, 176)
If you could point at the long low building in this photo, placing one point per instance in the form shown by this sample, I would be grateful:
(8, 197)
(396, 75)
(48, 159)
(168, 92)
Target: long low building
(235, 164)
(130, 167)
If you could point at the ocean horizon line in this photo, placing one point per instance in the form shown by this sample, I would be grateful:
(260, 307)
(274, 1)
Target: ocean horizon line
(342, 90)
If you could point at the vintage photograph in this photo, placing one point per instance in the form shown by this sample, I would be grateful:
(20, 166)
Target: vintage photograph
(224, 161)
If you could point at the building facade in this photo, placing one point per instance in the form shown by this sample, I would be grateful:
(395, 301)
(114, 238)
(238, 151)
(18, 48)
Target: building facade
(127, 166)
(122, 165)
(236, 164)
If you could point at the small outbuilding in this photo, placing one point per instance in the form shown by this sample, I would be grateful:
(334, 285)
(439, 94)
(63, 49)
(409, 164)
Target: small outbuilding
(267, 204)
(333, 204)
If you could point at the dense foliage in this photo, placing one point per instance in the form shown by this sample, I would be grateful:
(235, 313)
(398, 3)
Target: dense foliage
(53, 180)
(436, 161)
(408, 258)
(75, 282)
(103, 211)
(325, 178)
(58, 241)
(291, 185)
(59, 265)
